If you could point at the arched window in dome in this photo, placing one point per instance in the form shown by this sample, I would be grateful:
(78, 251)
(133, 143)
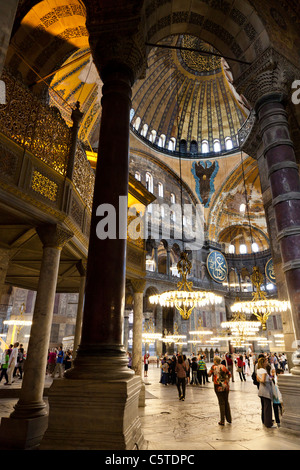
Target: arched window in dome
(172, 144)
(152, 136)
(204, 146)
(242, 207)
(254, 247)
(131, 114)
(231, 249)
(137, 175)
(243, 249)
(228, 143)
(162, 140)
(137, 123)
(149, 182)
(160, 189)
(194, 146)
(183, 146)
(144, 130)
(217, 145)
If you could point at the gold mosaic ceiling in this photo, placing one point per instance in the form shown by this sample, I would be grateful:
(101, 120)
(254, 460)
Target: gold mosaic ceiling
(185, 95)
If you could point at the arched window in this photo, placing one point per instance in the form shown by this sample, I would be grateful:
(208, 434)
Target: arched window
(172, 144)
(243, 249)
(183, 146)
(231, 248)
(217, 146)
(173, 198)
(144, 130)
(152, 136)
(204, 146)
(242, 207)
(228, 143)
(137, 123)
(131, 114)
(149, 182)
(160, 190)
(194, 147)
(162, 140)
(254, 247)
(137, 176)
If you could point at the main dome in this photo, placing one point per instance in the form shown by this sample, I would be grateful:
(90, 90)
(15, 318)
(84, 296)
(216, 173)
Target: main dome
(186, 104)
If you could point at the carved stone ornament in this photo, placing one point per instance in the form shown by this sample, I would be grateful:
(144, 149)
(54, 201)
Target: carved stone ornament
(116, 34)
(138, 285)
(270, 73)
(52, 235)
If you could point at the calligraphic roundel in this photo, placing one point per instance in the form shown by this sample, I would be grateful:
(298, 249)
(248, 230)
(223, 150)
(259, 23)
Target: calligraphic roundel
(269, 270)
(217, 266)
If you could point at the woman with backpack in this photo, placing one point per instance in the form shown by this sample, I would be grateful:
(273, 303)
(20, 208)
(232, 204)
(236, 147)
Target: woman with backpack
(221, 376)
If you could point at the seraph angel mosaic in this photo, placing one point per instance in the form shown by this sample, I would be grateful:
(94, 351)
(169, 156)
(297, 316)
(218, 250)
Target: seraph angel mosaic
(204, 173)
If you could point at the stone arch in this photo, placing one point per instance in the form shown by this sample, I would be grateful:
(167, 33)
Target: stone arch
(244, 38)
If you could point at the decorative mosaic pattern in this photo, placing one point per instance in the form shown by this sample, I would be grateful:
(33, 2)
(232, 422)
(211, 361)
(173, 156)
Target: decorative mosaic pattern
(44, 186)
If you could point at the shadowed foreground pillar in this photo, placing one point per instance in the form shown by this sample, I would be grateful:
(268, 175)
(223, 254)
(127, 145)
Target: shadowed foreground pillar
(25, 427)
(96, 402)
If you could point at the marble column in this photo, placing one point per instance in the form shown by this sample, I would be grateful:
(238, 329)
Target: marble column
(82, 271)
(76, 117)
(4, 263)
(99, 395)
(159, 328)
(138, 289)
(7, 17)
(126, 329)
(285, 189)
(27, 423)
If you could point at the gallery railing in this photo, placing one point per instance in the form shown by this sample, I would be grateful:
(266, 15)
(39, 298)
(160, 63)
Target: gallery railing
(42, 131)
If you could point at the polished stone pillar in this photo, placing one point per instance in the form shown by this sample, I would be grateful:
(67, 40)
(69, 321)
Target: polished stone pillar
(285, 188)
(284, 181)
(138, 288)
(99, 395)
(126, 329)
(7, 17)
(76, 117)
(137, 365)
(159, 328)
(26, 425)
(4, 263)
(82, 271)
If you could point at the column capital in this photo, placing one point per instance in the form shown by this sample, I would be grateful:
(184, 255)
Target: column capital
(138, 285)
(116, 37)
(270, 74)
(52, 235)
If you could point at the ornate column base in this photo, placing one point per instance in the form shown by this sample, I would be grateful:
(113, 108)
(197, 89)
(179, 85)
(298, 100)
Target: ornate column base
(22, 434)
(289, 386)
(101, 415)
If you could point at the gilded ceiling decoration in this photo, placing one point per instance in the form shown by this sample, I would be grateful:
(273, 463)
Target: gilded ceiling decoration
(186, 96)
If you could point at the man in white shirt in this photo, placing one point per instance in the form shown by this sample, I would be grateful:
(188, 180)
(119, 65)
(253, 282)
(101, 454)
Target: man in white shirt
(12, 363)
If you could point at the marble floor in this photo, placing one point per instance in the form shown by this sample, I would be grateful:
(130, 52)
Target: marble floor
(172, 425)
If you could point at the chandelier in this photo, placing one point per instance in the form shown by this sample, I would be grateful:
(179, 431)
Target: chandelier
(260, 306)
(185, 299)
(149, 335)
